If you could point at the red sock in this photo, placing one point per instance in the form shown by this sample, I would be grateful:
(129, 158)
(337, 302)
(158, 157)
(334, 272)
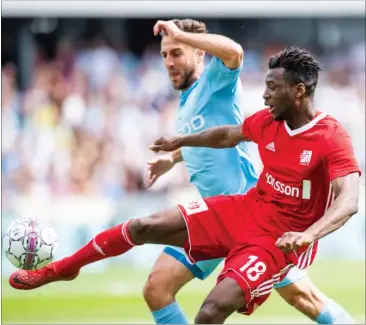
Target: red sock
(112, 242)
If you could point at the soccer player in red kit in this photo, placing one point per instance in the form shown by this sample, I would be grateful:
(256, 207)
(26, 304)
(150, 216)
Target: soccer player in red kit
(308, 189)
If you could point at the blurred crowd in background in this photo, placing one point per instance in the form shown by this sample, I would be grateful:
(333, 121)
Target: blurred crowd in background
(83, 124)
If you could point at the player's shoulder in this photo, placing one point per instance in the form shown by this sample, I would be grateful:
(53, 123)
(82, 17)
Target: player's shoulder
(330, 125)
(216, 65)
(332, 131)
(327, 120)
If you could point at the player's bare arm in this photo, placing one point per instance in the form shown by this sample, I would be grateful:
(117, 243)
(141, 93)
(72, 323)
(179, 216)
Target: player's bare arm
(218, 137)
(345, 205)
(161, 165)
(342, 209)
(230, 52)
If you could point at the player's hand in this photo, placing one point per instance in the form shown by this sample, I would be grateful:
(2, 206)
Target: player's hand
(157, 167)
(165, 144)
(291, 241)
(169, 28)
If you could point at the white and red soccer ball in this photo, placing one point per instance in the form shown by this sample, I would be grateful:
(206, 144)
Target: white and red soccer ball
(30, 244)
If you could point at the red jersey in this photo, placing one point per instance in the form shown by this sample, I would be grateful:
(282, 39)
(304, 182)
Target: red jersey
(299, 166)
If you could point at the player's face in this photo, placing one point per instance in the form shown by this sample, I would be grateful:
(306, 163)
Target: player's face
(278, 94)
(181, 62)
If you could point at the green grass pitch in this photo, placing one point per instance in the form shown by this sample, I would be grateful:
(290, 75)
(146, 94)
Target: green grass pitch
(115, 297)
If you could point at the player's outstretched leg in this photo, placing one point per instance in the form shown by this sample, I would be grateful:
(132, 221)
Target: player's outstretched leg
(166, 227)
(226, 298)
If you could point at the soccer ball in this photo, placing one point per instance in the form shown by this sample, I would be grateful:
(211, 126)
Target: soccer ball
(30, 244)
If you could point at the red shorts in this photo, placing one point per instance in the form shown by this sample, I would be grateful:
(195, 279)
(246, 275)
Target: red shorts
(227, 226)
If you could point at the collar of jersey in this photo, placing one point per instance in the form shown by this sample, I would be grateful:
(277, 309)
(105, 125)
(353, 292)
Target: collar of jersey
(305, 127)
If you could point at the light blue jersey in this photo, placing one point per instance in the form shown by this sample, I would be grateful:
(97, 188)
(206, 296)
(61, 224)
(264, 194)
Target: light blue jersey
(214, 100)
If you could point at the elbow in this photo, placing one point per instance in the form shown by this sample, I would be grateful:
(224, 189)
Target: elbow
(353, 205)
(236, 56)
(238, 52)
(227, 137)
(353, 209)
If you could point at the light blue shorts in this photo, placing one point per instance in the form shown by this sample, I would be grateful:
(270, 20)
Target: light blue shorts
(203, 269)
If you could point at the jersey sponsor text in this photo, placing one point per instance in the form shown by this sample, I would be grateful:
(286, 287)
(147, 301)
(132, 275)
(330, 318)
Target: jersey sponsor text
(282, 188)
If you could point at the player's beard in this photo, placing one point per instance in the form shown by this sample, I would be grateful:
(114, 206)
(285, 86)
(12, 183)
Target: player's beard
(187, 79)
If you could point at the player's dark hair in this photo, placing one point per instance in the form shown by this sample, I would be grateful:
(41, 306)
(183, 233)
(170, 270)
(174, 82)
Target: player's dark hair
(300, 67)
(191, 26)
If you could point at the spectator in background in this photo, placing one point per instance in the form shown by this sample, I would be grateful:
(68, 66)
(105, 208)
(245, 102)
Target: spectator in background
(85, 122)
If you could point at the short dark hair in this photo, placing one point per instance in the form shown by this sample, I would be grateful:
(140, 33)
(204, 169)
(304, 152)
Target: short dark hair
(300, 67)
(191, 25)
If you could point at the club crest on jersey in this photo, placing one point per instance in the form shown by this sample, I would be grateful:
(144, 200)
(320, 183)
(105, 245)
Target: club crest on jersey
(195, 207)
(305, 157)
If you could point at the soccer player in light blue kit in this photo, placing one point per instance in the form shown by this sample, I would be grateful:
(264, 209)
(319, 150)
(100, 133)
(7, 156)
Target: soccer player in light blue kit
(212, 96)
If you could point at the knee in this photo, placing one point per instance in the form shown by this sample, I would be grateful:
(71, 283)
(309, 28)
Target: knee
(207, 314)
(158, 293)
(140, 229)
(212, 313)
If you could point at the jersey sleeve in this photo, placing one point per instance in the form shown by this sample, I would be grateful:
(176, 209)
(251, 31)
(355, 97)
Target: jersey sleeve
(340, 156)
(220, 76)
(253, 125)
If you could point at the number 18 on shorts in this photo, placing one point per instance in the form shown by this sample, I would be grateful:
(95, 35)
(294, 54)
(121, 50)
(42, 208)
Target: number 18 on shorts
(255, 270)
